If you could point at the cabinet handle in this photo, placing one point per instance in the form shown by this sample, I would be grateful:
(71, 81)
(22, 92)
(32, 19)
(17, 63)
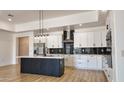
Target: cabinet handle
(101, 44)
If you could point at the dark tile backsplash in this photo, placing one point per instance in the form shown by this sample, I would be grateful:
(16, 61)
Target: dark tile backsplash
(98, 50)
(56, 50)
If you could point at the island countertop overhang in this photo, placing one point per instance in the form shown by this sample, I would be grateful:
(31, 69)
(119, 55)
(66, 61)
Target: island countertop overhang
(45, 57)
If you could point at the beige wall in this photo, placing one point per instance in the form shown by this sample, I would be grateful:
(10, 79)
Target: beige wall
(6, 48)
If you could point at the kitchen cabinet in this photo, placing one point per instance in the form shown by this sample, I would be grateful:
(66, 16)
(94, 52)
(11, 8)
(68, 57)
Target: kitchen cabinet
(83, 39)
(100, 62)
(80, 40)
(80, 61)
(97, 39)
(104, 38)
(69, 61)
(91, 62)
(59, 39)
(77, 40)
(54, 41)
(43, 66)
(90, 39)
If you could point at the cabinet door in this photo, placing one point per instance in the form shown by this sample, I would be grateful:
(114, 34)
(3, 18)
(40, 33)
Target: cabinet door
(90, 39)
(51, 43)
(76, 40)
(98, 38)
(66, 60)
(83, 39)
(84, 62)
(80, 61)
(104, 38)
(99, 62)
(92, 62)
(59, 40)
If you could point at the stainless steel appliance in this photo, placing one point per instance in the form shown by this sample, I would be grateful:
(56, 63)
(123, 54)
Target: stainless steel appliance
(39, 49)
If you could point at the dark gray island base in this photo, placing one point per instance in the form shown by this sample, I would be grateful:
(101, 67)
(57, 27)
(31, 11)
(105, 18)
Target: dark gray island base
(43, 66)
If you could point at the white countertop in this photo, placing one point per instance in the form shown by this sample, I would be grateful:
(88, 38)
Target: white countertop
(48, 57)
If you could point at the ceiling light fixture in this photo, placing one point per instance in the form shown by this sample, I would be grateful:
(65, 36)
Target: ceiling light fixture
(80, 24)
(10, 17)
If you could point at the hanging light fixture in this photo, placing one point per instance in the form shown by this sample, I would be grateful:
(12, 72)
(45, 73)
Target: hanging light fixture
(40, 33)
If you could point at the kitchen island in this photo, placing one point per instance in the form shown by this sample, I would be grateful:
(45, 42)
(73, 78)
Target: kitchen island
(43, 65)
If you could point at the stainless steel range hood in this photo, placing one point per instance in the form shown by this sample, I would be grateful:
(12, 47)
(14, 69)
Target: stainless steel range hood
(67, 35)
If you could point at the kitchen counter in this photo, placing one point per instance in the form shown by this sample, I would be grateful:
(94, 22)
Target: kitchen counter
(43, 65)
(46, 57)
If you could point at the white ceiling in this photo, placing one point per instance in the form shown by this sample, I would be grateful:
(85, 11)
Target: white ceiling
(22, 16)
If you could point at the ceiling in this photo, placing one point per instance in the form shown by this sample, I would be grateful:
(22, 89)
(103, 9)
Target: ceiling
(22, 16)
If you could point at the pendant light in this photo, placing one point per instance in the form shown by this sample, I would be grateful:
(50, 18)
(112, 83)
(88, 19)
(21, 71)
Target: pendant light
(40, 33)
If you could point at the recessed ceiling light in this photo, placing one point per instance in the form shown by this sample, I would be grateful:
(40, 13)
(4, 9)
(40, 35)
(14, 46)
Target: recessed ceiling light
(80, 24)
(9, 19)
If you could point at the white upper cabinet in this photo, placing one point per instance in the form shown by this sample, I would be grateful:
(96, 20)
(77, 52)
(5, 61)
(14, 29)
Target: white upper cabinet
(90, 39)
(76, 40)
(83, 39)
(80, 40)
(54, 41)
(104, 38)
(95, 37)
(98, 39)
(59, 39)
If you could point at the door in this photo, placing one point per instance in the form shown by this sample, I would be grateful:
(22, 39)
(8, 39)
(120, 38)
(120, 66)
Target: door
(23, 46)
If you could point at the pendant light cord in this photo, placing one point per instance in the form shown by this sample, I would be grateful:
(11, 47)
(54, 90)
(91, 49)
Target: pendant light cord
(42, 22)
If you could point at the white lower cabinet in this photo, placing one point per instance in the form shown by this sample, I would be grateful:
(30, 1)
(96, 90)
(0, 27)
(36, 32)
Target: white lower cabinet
(93, 62)
(80, 61)
(69, 61)
(100, 62)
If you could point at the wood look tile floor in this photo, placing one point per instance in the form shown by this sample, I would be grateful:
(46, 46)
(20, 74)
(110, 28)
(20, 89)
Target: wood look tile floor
(12, 74)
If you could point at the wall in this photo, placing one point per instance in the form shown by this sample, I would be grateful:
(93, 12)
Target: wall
(6, 48)
(117, 23)
(7, 26)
